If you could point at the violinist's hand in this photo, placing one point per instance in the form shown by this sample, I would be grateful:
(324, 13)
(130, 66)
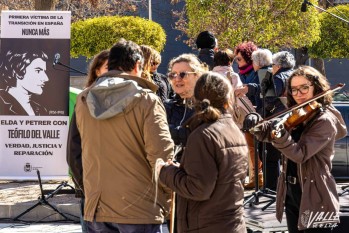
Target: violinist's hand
(266, 130)
(278, 129)
(250, 121)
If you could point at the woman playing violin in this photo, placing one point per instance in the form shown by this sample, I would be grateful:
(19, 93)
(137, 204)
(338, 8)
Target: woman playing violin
(306, 187)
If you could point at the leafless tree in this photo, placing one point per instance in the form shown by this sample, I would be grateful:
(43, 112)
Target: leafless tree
(81, 9)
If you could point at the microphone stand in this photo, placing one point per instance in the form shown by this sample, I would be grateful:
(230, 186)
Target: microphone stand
(70, 68)
(253, 199)
(322, 9)
(43, 200)
(345, 190)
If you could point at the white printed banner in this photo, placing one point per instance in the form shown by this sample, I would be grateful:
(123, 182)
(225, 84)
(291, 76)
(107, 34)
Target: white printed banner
(35, 24)
(34, 94)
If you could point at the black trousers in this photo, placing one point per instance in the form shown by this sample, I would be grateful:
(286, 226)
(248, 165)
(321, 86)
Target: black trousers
(271, 166)
(292, 204)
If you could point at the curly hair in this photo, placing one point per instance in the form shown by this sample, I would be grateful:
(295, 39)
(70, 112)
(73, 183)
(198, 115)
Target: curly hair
(156, 57)
(14, 66)
(246, 49)
(316, 78)
(284, 59)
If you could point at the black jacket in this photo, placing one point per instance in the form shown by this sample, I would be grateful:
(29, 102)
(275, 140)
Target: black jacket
(207, 56)
(278, 83)
(165, 90)
(178, 114)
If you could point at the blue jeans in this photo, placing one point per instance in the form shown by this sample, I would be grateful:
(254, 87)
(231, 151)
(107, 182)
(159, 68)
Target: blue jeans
(82, 221)
(109, 227)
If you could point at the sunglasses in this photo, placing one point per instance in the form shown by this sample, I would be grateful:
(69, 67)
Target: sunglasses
(181, 75)
(304, 89)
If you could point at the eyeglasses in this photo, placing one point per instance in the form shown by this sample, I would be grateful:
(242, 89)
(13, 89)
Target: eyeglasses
(181, 75)
(303, 89)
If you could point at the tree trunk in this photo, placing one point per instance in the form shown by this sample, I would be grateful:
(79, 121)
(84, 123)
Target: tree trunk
(45, 5)
(301, 56)
(319, 64)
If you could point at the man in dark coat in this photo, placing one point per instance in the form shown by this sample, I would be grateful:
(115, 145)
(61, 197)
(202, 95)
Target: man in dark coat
(207, 44)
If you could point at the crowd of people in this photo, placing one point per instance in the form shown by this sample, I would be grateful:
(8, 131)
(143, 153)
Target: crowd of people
(138, 136)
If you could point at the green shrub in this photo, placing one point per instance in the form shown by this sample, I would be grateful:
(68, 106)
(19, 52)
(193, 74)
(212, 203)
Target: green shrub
(334, 42)
(89, 37)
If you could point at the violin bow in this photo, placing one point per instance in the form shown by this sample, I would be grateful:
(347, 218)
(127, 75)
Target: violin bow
(289, 110)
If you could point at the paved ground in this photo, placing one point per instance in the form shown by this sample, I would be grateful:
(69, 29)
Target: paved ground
(17, 197)
(38, 228)
(45, 228)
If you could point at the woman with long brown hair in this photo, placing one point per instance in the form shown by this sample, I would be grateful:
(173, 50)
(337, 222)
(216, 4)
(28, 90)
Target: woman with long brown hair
(306, 187)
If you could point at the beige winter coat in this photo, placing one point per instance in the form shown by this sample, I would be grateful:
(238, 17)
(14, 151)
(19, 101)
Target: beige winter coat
(123, 131)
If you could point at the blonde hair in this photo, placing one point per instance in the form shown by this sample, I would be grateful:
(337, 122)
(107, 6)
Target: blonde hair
(156, 57)
(147, 55)
(192, 60)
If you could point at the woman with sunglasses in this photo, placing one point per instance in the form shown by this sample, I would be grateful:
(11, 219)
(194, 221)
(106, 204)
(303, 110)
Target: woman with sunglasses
(249, 77)
(306, 187)
(184, 71)
(209, 180)
(251, 89)
(165, 90)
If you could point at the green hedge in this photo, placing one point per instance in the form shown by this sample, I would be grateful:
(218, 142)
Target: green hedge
(89, 37)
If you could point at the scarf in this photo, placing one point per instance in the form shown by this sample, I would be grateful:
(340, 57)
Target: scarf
(245, 69)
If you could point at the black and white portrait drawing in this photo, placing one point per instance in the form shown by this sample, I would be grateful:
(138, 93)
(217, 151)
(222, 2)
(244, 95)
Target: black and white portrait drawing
(30, 85)
(22, 76)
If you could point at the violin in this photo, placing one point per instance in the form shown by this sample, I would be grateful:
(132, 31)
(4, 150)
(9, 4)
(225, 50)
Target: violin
(296, 117)
(298, 113)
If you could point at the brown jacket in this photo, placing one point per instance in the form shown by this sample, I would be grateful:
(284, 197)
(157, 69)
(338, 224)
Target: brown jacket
(123, 132)
(313, 154)
(209, 181)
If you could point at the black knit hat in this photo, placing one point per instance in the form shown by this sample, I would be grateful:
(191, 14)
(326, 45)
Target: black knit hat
(206, 40)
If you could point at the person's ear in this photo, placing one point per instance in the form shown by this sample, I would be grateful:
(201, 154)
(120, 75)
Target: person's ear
(138, 66)
(137, 69)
